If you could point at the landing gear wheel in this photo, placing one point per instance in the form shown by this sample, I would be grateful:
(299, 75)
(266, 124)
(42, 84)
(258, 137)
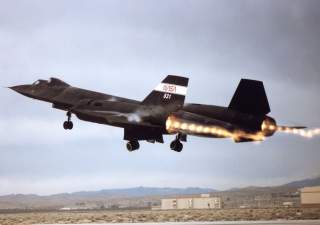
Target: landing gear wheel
(70, 125)
(176, 145)
(67, 125)
(133, 145)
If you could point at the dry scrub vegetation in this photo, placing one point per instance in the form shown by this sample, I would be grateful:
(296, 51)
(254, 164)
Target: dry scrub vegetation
(158, 216)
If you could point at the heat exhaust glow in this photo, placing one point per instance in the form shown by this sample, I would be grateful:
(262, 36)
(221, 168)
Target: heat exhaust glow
(303, 133)
(268, 128)
(300, 131)
(174, 125)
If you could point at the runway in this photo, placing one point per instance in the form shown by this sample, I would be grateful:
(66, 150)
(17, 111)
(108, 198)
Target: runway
(274, 222)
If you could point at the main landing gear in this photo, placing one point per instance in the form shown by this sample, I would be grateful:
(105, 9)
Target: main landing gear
(133, 145)
(176, 145)
(68, 125)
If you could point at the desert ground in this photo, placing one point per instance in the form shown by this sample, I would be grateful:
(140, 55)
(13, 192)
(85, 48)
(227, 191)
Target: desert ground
(138, 216)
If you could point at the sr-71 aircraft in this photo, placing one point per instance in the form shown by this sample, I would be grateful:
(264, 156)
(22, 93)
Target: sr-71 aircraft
(163, 111)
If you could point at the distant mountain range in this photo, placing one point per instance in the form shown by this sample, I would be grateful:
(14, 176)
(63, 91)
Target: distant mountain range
(304, 183)
(143, 191)
(56, 201)
(288, 187)
(152, 194)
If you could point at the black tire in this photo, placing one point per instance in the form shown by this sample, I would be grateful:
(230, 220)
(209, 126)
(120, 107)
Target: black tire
(136, 145)
(70, 125)
(173, 145)
(179, 147)
(133, 145)
(129, 146)
(176, 146)
(65, 125)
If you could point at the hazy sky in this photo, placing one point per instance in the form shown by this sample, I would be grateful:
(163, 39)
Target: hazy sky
(126, 48)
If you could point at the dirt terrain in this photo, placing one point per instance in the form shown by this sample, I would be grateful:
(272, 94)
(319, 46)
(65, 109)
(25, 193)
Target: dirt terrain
(158, 216)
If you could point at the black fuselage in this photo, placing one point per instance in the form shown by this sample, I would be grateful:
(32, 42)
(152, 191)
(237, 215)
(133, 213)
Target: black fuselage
(141, 120)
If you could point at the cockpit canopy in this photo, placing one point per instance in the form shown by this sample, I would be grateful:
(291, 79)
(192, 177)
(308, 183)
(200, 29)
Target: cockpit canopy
(51, 82)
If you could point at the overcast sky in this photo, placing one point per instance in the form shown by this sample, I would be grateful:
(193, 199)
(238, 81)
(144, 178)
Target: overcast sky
(126, 48)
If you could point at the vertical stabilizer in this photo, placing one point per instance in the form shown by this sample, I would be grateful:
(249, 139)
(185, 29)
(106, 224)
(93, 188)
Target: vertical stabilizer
(250, 97)
(170, 92)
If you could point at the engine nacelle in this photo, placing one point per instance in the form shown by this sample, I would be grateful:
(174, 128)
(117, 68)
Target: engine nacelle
(268, 126)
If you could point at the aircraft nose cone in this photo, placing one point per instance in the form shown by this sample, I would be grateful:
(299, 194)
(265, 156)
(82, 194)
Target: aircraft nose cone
(22, 89)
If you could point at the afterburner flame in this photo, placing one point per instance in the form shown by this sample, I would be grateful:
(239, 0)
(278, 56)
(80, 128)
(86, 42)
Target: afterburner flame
(303, 133)
(268, 128)
(174, 125)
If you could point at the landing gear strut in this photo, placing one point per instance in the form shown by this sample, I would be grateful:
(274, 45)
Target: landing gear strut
(68, 125)
(133, 145)
(176, 145)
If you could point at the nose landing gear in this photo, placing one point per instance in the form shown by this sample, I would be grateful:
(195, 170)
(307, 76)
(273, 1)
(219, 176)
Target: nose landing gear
(68, 125)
